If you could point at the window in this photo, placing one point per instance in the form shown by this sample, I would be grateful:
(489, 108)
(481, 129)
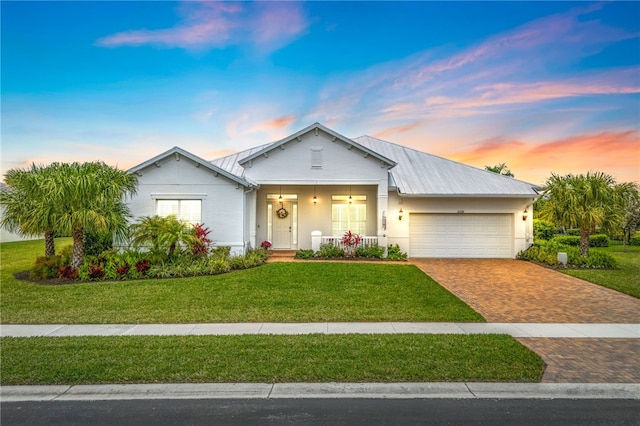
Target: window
(347, 216)
(187, 210)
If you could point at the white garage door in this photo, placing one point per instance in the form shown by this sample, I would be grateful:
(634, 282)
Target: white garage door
(461, 235)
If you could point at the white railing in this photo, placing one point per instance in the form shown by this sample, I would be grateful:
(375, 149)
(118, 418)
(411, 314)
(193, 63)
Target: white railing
(337, 241)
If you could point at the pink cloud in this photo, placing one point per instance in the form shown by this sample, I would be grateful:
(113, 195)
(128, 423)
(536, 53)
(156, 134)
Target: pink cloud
(612, 152)
(212, 24)
(393, 131)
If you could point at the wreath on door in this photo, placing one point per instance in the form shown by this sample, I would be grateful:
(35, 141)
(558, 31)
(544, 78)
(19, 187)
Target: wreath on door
(282, 212)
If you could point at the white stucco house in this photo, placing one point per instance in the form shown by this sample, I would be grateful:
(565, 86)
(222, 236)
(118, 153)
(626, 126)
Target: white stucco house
(316, 184)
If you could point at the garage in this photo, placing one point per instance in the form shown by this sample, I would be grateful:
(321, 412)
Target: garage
(461, 235)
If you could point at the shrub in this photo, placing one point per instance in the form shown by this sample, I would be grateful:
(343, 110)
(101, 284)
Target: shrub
(218, 266)
(599, 240)
(200, 246)
(47, 267)
(221, 252)
(547, 252)
(142, 266)
(394, 253)
(68, 272)
(567, 240)
(543, 230)
(329, 251)
(370, 251)
(635, 239)
(97, 242)
(304, 254)
(574, 232)
(96, 272)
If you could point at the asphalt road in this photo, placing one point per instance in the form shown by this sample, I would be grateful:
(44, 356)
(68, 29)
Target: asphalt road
(324, 412)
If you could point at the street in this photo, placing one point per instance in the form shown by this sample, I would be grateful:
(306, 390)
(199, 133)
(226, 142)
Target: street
(160, 412)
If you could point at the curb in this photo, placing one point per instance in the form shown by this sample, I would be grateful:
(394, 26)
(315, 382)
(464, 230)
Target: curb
(322, 390)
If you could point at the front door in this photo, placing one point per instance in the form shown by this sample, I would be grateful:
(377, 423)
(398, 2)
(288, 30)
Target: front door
(282, 222)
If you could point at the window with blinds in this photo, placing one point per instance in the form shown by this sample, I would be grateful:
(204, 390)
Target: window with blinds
(187, 210)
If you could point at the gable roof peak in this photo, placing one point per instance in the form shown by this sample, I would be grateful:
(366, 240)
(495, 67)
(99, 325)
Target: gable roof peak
(317, 127)
(198, 161)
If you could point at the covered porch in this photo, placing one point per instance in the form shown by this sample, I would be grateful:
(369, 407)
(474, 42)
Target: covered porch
(303, 216)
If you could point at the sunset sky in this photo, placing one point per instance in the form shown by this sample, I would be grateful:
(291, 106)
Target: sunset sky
(542, 86)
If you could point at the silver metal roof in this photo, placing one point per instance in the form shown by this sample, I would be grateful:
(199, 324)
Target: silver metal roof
(416, 173)
(197, 160)
(420, 174)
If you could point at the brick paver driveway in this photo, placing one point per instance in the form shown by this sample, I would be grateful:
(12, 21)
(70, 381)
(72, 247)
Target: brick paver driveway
(505, 290)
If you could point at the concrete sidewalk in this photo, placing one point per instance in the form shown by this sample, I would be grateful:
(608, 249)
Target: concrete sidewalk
(523, 330)
(321, 390)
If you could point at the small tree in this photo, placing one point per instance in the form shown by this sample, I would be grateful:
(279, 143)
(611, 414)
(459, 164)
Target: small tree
(586, 202)
(500, 169)
(163, 235)
(28, 208)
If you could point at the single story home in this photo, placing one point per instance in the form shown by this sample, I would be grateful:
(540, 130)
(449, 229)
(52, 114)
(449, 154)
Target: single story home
(314, 185)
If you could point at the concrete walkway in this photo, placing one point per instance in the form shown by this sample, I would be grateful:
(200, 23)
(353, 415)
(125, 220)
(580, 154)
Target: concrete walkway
(320, 390)
(521, 330)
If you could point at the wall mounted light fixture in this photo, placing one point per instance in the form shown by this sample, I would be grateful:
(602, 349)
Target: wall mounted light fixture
(350, 200)
(315, 199)
(525, 214)
(400, 214)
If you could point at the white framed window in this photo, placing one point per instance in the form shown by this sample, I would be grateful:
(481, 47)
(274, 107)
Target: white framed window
(347, 216)
(187, 210)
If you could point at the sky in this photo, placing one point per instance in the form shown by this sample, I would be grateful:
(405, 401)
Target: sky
(545, 87)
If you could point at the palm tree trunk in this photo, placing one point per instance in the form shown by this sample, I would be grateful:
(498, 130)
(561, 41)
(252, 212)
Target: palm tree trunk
(78, 247)
(49, 244)
(584, 242)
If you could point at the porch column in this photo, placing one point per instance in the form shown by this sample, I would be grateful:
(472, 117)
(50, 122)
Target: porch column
(383, 212)
(250, 218)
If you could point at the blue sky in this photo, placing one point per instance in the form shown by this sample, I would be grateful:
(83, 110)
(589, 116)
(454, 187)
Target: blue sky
(543, 86)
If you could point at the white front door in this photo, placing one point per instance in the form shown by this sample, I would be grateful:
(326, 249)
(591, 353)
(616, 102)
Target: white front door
(282, 225)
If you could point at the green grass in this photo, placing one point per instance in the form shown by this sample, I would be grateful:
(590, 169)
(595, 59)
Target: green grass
(267, 359)
(277, 292)
(625, 279)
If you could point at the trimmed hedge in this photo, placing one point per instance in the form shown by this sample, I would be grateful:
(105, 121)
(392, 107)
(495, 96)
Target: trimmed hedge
(635, 239)
(597, 240)
(547, 252)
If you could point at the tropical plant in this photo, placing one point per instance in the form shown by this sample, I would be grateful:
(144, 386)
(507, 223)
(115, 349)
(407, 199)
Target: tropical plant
(394, 253)
(200, 247)
(162, 235)
(500, 169)
(28, 208)
(586, 202)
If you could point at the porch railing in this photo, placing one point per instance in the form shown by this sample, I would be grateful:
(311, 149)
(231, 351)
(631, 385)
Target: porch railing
(337, 241)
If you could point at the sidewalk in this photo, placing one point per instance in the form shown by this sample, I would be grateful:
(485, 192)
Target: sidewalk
(520, 330)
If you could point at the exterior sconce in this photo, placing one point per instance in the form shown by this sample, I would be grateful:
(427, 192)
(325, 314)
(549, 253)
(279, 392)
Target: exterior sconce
(315, 200)
(525, 214)
(350, 200)
(400, 214)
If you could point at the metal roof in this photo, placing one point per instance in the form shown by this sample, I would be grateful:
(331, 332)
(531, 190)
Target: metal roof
(199, 161)
(420, 174)
(415, 173)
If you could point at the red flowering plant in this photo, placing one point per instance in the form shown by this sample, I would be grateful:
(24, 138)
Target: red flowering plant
(201, 244)
(266, 245)
(350, 241)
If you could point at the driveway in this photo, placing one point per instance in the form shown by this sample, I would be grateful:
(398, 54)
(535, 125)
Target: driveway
(506, 290)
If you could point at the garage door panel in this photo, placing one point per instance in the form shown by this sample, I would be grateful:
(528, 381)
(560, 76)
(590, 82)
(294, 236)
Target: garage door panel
(461, 235)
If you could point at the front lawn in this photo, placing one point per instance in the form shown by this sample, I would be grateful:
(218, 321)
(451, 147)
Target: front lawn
(267, 359)
(625, 279)
(277, 292)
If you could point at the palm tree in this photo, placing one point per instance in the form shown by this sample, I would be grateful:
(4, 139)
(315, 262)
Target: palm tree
(90, 196)
(500, 169)
(28, 209)
(162, 234)
(586, 202)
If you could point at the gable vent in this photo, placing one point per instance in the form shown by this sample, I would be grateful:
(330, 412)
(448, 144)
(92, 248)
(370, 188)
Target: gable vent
(316, 157)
